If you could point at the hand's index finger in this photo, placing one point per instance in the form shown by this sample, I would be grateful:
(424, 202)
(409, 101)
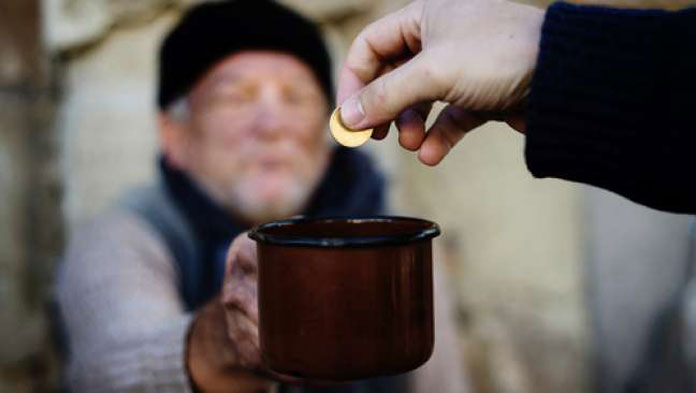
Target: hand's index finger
(241, 256)
(392, 37)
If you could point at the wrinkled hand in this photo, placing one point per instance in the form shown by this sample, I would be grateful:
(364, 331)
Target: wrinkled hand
(476, 55)
(239, 300)
(223, 348)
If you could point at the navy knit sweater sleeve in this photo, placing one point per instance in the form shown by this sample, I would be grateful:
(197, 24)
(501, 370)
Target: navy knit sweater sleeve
(613, 103)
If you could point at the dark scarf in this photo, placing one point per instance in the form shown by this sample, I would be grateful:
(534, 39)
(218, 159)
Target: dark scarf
(352, 186)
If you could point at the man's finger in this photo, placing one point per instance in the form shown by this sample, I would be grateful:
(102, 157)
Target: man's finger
(241, 256)
(411, 126)
(241, 296)
(383, 99)
(243, 333)
(391, 37)
(380, 132)
(247, 260)
(449, 128)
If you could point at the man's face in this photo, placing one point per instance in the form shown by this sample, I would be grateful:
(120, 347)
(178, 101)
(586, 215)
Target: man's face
(254, 136)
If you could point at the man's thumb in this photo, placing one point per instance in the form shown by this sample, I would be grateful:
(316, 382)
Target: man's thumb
(383, 99)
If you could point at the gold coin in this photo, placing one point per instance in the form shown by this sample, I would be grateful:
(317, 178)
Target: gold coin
(344, 135)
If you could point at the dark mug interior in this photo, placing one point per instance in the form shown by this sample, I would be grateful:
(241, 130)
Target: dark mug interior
(345, 298)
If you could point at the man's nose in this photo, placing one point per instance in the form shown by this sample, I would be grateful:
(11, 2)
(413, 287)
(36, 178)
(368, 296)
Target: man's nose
(270, 117)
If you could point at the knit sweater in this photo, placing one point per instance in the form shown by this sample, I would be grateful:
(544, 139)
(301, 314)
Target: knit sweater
(611, 103)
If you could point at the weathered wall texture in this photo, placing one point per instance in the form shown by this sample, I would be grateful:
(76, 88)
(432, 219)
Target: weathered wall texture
(106, 118)
(515, 248)
(30, 225)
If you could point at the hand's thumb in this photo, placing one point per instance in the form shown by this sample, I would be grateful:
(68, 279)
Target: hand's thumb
(383, 99)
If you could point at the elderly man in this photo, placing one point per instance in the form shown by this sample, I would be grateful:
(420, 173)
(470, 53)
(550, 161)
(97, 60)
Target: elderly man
(244, 93)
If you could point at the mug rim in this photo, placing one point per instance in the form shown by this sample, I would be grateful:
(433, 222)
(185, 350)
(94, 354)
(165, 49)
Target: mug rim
(429, 231)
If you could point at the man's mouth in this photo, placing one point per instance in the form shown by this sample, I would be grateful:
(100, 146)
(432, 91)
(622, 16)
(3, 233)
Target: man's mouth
(272, 165)
(272, 162)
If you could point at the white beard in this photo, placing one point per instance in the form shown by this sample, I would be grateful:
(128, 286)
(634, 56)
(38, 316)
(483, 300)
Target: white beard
(245, 195)
(247, 204)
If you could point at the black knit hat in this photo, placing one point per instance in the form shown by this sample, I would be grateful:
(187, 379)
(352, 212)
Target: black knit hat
(209, 32)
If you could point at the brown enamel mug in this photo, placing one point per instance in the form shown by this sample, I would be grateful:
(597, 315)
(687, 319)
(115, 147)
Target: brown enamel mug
(345, 298)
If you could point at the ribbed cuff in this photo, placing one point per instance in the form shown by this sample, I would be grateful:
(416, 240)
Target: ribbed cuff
(164, 358)
(150, 362)
(591, 110)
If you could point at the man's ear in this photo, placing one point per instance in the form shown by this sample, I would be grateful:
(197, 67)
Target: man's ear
(173, 137)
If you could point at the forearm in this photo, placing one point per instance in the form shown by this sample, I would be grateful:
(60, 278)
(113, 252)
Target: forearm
(610, 103)
(211, 362)
(117, 293)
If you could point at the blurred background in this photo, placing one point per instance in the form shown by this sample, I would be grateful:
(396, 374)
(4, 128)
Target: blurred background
(557, 284)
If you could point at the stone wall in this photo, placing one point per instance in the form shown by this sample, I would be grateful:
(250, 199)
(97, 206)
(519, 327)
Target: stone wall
(30, 225)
